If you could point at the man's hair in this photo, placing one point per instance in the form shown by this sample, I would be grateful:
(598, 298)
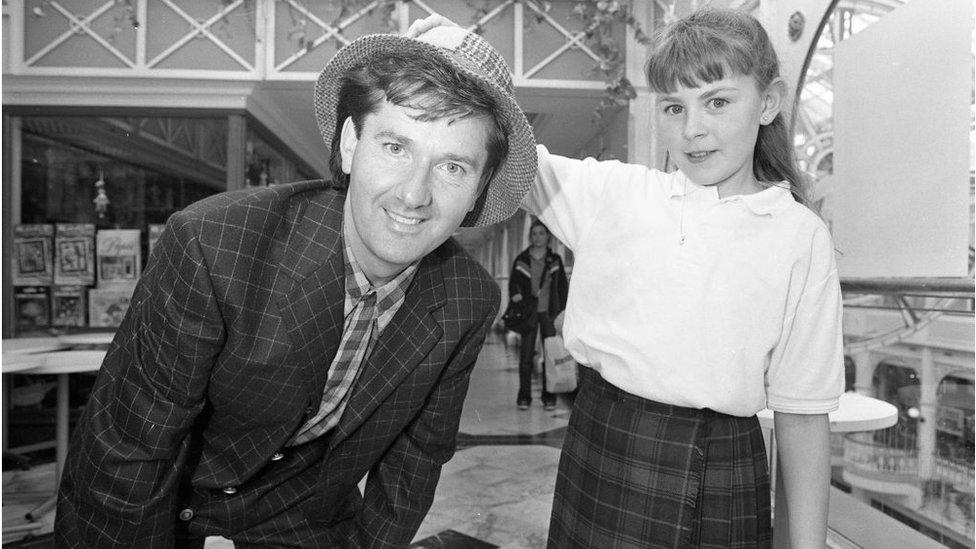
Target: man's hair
(422, 82)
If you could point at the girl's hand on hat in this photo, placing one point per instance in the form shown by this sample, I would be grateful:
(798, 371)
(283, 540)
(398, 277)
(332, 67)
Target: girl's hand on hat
(421, 26)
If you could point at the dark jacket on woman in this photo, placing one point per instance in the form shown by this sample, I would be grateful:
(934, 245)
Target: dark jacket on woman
(520, 282)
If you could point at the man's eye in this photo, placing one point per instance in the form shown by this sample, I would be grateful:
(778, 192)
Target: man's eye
(394, 148)
(453, 169)
(718, 102)
(672, 109)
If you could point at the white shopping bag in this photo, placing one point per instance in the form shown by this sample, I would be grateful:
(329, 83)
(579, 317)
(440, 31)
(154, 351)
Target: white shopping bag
(560, 366)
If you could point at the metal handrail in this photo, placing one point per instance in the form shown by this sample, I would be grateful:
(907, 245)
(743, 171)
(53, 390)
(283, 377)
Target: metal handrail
(963, 286)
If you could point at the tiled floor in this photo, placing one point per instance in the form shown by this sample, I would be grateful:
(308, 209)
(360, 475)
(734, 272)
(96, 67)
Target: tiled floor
(496, 492)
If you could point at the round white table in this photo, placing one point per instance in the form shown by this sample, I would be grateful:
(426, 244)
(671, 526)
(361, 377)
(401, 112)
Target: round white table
(854, 413)
(91, 338)
(28, 345)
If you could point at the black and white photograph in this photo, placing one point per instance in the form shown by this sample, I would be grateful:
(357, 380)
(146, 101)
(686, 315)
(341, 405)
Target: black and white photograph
(475, 274)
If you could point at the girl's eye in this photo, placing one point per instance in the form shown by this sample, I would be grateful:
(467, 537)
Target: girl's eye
(672, 109)
(394, 148)
(718, 102)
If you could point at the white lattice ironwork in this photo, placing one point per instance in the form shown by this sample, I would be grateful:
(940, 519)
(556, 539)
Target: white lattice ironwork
(78, 25)
(330, 31)
(307, 32)
(573, 40)
(202, 29)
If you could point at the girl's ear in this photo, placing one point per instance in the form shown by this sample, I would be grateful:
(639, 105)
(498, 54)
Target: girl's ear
(774, 99)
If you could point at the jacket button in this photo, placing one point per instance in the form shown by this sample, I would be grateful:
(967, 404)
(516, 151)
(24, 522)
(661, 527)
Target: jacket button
(308, 410)
(186, 514)
(230, 490)
(278, 456)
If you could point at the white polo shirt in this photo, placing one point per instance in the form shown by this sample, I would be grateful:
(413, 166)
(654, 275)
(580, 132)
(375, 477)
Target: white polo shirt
(744, 314)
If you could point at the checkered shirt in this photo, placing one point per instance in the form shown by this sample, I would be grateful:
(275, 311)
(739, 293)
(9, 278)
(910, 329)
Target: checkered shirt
(367, 311)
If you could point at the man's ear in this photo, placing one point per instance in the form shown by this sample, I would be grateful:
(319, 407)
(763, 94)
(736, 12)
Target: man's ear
(348, 141)
(774, 98)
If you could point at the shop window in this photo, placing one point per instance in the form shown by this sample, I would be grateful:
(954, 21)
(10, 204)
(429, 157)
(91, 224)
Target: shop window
(95, 193)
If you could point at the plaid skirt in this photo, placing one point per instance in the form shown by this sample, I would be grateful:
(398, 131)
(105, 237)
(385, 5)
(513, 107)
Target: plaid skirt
(638, 473)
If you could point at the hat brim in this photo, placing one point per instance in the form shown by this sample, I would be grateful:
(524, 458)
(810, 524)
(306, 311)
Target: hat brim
(514, 176)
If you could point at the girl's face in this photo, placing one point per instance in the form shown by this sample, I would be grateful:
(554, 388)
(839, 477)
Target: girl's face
(710, 131)
(539, 236)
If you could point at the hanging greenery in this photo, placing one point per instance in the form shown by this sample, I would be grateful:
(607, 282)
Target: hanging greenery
(600, 19)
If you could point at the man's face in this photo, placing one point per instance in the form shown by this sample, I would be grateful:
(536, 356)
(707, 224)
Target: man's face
(411, 183)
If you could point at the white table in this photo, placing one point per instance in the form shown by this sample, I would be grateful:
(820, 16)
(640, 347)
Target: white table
(29, 345)
(62, 364)
(91, 338)
(855, 413)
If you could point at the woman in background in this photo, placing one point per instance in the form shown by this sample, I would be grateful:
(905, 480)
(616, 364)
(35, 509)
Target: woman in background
(539, 279)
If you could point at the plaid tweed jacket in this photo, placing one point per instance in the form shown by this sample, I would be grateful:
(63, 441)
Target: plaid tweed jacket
(224, 353)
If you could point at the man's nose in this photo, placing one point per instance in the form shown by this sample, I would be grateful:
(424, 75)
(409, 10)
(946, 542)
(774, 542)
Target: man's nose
(414, 189)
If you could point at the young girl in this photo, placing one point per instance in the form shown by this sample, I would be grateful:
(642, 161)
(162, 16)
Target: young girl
(698, 298)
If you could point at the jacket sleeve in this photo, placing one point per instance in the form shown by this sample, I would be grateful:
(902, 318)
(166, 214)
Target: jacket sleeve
(513, 285)
(129, 448)
(519, 280)
(400, 488)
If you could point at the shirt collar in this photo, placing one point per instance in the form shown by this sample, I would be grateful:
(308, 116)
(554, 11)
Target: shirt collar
(766, 201)
(358, 285)
(763, 202)
(389, 296)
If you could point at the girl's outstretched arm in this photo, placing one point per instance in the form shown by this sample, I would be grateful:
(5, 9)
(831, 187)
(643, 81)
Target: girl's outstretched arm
(803, 441)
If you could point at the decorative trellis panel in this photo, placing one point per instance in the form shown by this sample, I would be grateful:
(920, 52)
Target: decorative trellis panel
(165, 38)
(276, 39)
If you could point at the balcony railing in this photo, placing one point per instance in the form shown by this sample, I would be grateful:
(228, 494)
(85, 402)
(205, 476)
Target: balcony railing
(959, 474)
(897, 464)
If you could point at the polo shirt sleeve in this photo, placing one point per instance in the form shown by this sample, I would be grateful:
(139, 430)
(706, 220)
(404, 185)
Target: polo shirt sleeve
(566, 194)
(806, 371)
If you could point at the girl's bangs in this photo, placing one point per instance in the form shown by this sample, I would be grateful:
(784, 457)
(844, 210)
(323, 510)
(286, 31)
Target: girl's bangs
(691, 63)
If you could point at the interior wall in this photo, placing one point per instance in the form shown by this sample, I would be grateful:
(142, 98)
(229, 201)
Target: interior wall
(902, 95)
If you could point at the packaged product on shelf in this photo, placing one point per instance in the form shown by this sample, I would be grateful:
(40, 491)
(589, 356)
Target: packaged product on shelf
(68, 305)
(119, 257)
(106, 307)
(74, 254)
(33, 260)
(32, 307)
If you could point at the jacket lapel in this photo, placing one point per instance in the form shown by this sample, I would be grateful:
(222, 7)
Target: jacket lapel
(312, 307)
(406, 341)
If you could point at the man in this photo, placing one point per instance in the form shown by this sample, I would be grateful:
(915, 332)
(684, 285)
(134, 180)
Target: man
(285, 342)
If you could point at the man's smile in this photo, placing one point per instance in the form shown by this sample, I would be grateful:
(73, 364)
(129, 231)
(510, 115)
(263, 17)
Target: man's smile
(402, 219)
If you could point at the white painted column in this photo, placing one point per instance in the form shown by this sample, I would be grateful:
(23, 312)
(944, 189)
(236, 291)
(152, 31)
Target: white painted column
(642, 146)
(864, 373)
(927, 404)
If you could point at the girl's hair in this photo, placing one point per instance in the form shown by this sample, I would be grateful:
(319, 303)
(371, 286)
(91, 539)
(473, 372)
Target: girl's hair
(710, 44)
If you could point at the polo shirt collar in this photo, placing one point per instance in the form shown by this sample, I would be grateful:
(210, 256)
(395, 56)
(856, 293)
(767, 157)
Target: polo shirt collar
(763, 202)
(766, 201)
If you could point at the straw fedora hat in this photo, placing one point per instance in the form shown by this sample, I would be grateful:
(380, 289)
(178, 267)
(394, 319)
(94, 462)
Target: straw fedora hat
(472, 55)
